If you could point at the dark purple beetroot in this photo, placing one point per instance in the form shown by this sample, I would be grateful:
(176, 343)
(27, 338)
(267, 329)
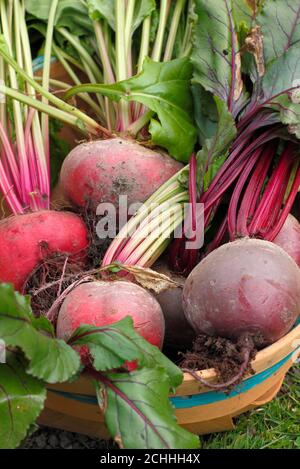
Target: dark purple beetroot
(247, 286)
(179, 335)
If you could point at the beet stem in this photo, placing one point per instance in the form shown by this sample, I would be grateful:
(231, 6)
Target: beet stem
(233, 206)
(272, 192)
(253, 191)
(287, 208)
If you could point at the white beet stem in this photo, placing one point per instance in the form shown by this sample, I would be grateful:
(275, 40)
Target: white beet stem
(163, 16)
(46, 76)
(25, 169)
(120, 61)
(173, 31)
(169, 195)
(85, 123)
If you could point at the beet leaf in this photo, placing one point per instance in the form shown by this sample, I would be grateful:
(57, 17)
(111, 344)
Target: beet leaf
(216, 54)
(49, 359)
(280, 23)
(165, 89)
(70, 14)
(22, 399)
(111, 346)
(99, 9)
(215, 149)
(265, 35)
(138, 412)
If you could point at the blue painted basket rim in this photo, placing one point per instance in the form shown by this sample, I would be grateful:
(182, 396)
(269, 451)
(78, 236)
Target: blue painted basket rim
(196, 400)
(38, 63)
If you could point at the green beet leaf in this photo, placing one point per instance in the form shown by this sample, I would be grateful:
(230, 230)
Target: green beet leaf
(281, 75)
(215, 149)
(280, 23)
(288, 108)
(206, 113)
(49, 359)
(42, 324)
(216, 52)
(244, 12)
(111, 346)
(21, 401)
(138, 412)
(102, 9)
(105, 9)
(164, 88)
(71, 14)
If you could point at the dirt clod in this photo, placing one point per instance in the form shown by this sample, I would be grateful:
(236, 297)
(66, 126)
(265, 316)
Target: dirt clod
(97, 246)
(224, 355)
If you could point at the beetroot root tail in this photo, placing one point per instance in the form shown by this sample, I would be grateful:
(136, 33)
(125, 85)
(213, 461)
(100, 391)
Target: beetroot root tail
(231, 382)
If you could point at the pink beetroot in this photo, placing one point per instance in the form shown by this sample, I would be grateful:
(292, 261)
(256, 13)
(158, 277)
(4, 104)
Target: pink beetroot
(102, 170)
(26, 239)
(101, 303)
(289, 238)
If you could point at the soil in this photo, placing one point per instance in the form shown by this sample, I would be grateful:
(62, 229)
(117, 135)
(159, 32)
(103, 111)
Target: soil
(97, 247)
(225, 356)
(49, 438)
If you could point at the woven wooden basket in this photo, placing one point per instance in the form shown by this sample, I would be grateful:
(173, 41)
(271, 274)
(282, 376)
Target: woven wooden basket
(74, 406)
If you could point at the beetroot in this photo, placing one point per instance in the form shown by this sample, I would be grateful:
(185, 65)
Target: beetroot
(289, 238)
(26, 239)
(179, 334)
(102, 170)
(244, 287)
(101, 303)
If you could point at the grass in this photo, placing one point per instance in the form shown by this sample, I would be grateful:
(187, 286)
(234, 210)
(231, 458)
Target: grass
(275, 425)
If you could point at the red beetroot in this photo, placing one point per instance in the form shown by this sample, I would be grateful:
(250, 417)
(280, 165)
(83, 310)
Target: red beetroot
(247, 286)
(101, 170)
(101, 303)
(26, 239)
(179, 333)
(289, 238)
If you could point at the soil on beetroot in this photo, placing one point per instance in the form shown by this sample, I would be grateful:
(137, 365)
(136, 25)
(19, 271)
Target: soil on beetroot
(97, 246)
(224, 355)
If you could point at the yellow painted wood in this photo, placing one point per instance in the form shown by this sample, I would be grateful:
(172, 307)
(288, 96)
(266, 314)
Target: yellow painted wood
(72, 423)
(69, 414)
(232, 406)
(73, 407)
